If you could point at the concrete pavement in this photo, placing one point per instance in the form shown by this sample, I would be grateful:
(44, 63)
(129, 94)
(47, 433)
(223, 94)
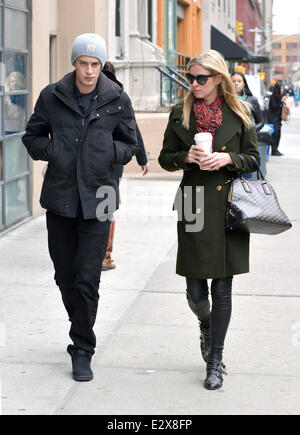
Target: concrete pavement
(148, 359)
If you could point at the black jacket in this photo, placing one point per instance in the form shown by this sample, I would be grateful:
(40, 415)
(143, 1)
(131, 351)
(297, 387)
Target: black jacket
(141, 156)
(257, 113)
(81, 151)
(275, 109)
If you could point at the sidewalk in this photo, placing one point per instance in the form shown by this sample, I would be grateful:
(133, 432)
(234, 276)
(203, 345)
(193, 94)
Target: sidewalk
(148, 359)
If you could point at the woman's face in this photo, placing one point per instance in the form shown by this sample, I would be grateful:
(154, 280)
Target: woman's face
(209, 91)
(238, 83)
(13, 83)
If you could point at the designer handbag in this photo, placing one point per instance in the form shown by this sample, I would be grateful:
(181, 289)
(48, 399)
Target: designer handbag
(253, 207)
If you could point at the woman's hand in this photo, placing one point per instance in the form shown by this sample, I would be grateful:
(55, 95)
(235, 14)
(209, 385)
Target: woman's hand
(195, 155)
(215, 161)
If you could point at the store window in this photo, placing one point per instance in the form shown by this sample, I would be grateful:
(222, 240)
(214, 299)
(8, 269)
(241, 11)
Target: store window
(14, 100)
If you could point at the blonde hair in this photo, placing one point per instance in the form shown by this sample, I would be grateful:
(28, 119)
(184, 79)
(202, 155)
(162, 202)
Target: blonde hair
(20, 80)
(215, 63)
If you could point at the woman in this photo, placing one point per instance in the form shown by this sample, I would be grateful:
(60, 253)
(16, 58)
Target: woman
(15, 120)
(108, 263)
(242, 89)
(274, 116)
(213, 253)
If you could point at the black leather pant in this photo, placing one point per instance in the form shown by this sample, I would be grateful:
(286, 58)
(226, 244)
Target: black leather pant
(219, 317)
(276, 136)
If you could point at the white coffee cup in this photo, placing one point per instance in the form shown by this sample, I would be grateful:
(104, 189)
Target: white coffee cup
(205, 141)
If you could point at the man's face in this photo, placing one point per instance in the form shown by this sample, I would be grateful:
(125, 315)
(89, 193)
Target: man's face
(88, 70)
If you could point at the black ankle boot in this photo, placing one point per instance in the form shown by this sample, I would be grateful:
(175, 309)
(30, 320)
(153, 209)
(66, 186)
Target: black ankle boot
(205, 340)
(215, 371)
(81, 362)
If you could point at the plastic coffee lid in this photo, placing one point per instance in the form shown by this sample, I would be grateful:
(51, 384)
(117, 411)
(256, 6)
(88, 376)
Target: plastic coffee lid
(203, 136)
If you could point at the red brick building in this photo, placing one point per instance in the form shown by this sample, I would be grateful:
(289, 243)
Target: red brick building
(250, 14)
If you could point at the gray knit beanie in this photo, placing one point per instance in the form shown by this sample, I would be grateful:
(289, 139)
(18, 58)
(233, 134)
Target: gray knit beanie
(89, 44)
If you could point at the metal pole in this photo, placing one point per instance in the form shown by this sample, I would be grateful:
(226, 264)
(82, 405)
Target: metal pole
(276, 40)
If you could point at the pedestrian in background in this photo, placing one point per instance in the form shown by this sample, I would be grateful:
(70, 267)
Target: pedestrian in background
(141, 156)
(211, 106)
(243, 91)
(277, 100)
(82, 126)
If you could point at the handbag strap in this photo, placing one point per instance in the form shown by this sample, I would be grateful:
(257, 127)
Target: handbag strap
(258, 170)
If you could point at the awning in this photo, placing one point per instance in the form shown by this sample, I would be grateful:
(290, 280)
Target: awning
(229, 49)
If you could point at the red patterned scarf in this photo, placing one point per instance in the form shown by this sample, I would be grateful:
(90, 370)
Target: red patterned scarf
(209, 117)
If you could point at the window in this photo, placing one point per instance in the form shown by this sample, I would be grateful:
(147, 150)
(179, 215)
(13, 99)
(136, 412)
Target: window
(291, 45)
(150, 19)
(118, 31)
(14, 100)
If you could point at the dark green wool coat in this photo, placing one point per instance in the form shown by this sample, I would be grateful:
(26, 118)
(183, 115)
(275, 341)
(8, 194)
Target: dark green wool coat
(210, 251)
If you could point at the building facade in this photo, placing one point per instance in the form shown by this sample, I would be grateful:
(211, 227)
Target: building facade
(221, 14)
(286, 58)
(254, 33)
(267, 38)
(179, 28)
(250, 14)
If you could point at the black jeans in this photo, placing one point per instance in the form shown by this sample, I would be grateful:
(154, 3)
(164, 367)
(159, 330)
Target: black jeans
(77, 249)
(221, 291)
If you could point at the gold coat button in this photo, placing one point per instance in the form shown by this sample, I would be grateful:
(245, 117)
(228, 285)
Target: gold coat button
(219, 188)
(185, 196)
(198, 211)
(224, 148)
(198, 190)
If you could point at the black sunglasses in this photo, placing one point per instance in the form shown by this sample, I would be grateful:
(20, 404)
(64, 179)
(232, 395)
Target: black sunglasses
(201, 79)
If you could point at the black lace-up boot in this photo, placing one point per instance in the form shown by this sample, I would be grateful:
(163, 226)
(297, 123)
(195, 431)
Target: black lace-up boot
(205, 339)
(215, 371)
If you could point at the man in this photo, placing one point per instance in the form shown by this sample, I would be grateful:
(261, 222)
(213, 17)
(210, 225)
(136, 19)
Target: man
(82, 126)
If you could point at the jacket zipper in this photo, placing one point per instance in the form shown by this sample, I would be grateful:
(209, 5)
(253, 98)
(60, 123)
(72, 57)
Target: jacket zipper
(82, 130)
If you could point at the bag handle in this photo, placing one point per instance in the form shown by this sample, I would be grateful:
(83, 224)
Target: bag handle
(259, 173)
(260, 176)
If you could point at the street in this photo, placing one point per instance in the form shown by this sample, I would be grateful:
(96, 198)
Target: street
(148, 360)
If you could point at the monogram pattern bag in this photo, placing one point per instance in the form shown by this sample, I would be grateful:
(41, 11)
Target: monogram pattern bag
(253, 207)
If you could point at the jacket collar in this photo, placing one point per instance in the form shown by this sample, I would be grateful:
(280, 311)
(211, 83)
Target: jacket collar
(106, 91)
(231, 124)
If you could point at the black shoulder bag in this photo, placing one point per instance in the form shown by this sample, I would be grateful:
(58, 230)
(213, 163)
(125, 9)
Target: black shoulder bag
(253, 207)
